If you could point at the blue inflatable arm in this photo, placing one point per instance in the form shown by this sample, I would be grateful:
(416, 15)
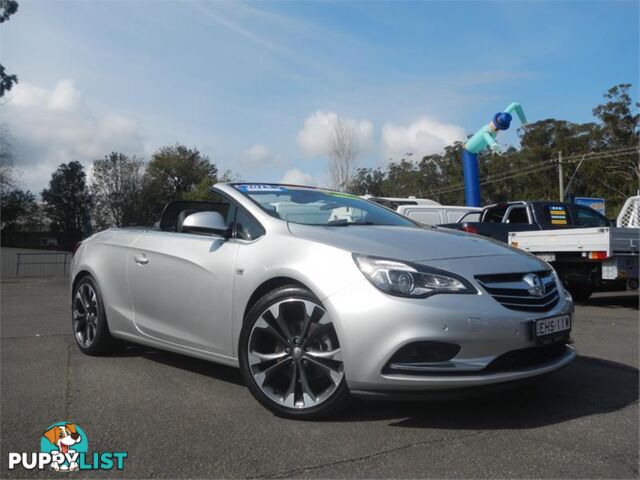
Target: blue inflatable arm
(517, 109)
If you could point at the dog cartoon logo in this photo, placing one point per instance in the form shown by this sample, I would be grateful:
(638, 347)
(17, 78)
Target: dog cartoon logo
(64, 447)
(65, 441)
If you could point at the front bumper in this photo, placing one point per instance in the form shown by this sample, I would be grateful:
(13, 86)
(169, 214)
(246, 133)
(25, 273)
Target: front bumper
(373, 326)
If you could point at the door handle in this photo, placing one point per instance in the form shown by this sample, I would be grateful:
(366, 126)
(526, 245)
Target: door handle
(141, 259)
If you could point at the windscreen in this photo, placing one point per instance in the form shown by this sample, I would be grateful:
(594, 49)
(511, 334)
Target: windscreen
(312, 206)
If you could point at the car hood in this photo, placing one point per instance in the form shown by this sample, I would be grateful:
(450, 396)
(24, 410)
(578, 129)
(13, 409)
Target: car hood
(403, 243)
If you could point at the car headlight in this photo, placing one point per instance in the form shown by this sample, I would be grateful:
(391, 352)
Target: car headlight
(406, 279)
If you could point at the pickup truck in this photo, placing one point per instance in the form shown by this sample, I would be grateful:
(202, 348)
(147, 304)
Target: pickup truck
(587, 259)
(496, 221)
(586, 250)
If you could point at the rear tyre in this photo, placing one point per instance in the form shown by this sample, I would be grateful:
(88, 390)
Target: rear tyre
(89, 322)
(580, 294)
(290, 356)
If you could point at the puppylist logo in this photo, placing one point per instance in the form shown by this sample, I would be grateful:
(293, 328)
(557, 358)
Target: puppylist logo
(64, 447)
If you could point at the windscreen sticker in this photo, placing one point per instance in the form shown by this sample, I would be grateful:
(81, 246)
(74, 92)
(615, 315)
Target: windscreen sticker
(339, 194)
(259, 187)
(558, 215)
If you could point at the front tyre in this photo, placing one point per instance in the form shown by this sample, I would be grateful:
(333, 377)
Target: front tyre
(89, 321)
(290, 356)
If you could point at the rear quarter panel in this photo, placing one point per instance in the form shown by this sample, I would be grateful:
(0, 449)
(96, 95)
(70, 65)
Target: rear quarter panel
(104, 256)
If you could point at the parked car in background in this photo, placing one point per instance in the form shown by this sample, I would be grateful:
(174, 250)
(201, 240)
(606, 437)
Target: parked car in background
(496, 221)
(427, 212)
(579, 242)
(317, 294)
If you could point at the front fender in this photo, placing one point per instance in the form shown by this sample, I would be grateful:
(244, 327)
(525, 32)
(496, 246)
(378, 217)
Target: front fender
(323, 269)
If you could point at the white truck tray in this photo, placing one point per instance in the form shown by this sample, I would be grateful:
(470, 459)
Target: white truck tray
(614, 241)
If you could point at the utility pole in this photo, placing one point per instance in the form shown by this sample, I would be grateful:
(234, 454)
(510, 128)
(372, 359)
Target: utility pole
(560, 177)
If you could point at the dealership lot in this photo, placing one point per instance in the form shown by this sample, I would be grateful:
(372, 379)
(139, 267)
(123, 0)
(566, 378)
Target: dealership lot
(181, 417)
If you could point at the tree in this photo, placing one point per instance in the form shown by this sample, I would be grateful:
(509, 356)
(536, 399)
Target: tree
(19, 211)
(368, 181)
(172, 173)
(178, 169)
(7, 81)
(8, 179)
(116, 190)
(343, 154)
(620, 125)
(67, 200)
(201, 190)
(620, 129)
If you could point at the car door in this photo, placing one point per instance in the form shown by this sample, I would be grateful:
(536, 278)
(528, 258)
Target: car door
(181, 287)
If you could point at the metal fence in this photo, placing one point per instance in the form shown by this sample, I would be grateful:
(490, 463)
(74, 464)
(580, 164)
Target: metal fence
(34, 263)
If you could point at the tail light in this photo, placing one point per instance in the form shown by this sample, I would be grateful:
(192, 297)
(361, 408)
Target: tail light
(469, 229)
(598, 255)
(75, 248)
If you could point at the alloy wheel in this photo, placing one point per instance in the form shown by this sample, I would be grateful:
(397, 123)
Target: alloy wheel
(294, 354)
(85, 315)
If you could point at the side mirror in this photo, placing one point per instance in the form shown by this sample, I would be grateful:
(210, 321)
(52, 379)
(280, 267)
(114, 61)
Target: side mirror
(206, 223)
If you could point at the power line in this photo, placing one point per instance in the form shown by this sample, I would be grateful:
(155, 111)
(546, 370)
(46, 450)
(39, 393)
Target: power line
(545, 165)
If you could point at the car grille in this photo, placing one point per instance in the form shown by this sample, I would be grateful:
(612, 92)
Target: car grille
(514, 293)
(526, 358)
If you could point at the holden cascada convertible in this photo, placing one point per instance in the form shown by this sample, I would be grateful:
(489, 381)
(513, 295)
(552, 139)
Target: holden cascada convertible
(317, 294)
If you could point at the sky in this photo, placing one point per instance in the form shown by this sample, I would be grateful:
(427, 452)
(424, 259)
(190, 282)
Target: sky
(257, 86)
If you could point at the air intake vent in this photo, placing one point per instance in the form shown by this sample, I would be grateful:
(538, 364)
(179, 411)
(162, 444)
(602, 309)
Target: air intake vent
(532, 292)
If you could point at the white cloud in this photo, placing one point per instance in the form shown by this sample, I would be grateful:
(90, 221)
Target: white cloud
(50, 127)
(297, 177)
(258, 156)
(423, 137)
(315, 137)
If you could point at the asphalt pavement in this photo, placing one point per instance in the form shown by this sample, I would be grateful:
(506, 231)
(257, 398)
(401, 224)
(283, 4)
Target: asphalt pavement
(178, 417)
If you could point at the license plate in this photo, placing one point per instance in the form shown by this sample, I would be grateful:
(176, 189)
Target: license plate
(547, 257)
(548, 329)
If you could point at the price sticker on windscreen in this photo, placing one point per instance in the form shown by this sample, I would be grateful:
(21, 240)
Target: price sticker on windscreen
(558, 214)
(259, 187)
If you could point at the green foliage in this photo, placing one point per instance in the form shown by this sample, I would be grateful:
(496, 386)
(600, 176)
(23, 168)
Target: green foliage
(7, 8)
(7, 81)
(116, 189)
(67, 200)
(178, 169)
(175, 172)
(619, 123)
(19, 211)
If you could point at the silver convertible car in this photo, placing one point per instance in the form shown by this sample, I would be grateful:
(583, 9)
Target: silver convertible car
(317, 295)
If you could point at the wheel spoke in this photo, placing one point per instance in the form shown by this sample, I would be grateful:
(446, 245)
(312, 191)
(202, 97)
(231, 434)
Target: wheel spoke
(278, 315)
(313, 317)
(273, 322)
(79, 303)
(265, 327)
(289, 397)
(335, 355)
(319, 330)
(308, 395)
(87, 329)
(84, 297)
(265, 375)
(79, 325)
(259, 358)
(94, 303)
(328, 367)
